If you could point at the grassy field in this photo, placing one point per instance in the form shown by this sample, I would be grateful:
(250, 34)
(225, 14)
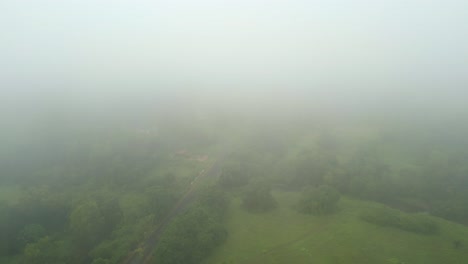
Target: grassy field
(285, 236)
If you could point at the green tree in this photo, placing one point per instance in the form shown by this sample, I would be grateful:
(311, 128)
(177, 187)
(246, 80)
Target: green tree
(258, 198)
(47, 250)
(111, 213)
(370, 177)
(193, 235)
(214, 200)
(190, 238)
(311, 168)
(233, 175)
(30, 233)
(321, 200)
(386, 216)
(161, 200)
(87, 224)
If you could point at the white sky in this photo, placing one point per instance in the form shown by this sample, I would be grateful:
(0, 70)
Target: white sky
(359, 50)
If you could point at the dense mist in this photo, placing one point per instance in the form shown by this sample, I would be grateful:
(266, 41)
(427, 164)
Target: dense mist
(246, 131)
(86, 57)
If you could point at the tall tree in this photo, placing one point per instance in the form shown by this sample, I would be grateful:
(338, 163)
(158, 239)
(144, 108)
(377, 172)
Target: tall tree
(258, 198)
(321, 200)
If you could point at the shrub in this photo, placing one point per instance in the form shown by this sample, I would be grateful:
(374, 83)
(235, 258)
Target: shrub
(385, 216)
(321, 200)
(258, 198)
(234, 175)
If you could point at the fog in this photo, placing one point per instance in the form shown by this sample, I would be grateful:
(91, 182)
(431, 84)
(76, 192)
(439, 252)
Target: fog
(68, 65)
(92, 56)
(247, 131)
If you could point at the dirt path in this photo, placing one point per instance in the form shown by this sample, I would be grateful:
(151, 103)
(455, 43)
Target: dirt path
(145, 251)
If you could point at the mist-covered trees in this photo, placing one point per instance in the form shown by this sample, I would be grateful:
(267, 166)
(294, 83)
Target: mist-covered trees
(385, 216)
(190, 238)
(234, 175)
(87, 224)
(258, 198)
(310, 168)
(194, 234)
(30, 234)
(369, 176)
(48, 250)
(37, 212)
(318, 200)
(161, 201)
(43, 206)
(94, 204)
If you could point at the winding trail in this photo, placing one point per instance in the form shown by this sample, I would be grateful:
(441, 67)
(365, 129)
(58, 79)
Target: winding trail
(144, 252)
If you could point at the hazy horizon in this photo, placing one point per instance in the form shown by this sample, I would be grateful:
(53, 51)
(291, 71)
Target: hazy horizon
(87, 57)
(238, 131)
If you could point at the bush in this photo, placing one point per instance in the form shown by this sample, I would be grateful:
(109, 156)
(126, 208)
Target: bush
(321, 200)
(385, 216)
(47, 250)
(234, 175)
(30, 234)
(258, 198)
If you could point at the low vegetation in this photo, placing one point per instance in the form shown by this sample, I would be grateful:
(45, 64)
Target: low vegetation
(385, 216)
(258, 198)
(318, 200)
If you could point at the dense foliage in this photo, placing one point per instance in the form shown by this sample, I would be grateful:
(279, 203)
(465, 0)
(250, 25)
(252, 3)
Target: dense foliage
(258, 198)
(193, 235)
(96, 199)
(320, 200)
(234, 175)
(92, 198)
(384, 216)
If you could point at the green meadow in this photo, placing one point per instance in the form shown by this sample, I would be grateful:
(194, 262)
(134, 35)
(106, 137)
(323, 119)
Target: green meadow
(285, 236)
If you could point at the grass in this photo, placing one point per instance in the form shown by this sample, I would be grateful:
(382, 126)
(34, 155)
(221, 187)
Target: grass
(285, 236)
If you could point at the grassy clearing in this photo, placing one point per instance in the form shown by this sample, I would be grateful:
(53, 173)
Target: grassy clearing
(285, 236)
